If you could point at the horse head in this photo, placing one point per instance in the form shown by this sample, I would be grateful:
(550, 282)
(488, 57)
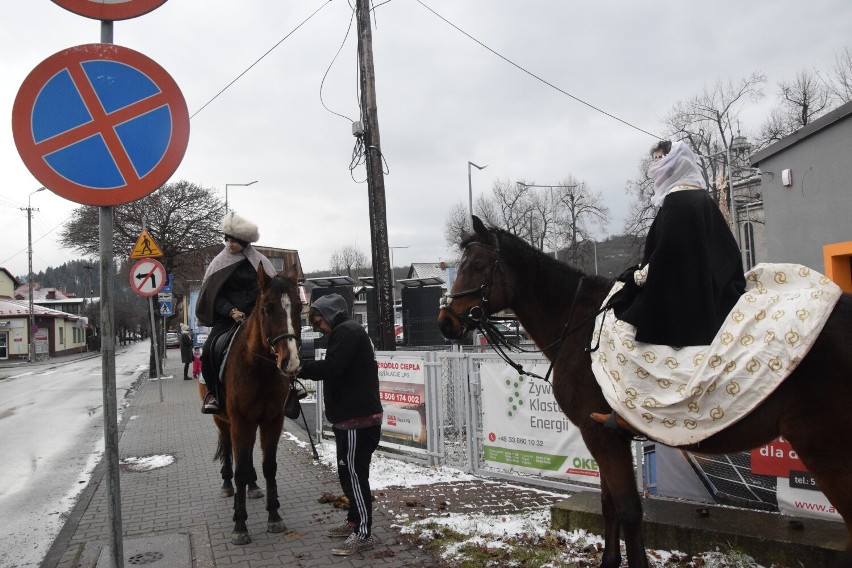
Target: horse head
(480, 287)
(278, 313)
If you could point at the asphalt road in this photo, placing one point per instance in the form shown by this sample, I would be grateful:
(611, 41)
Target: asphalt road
(51, 437)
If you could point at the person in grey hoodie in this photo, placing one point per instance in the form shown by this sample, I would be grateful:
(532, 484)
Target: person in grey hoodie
(354, 408)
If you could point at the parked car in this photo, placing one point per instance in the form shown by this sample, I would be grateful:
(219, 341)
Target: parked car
(509, 332)
(172, 339)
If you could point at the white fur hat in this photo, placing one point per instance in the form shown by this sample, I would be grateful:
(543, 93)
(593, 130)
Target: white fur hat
(184, 328)
(235, 226)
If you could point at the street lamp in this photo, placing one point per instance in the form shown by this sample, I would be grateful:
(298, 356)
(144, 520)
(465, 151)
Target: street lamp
(470, 190)
(30, 274)
(227, 185)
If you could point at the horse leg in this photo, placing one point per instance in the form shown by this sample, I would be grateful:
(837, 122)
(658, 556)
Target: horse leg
(269, 436)
(225, 455)
(253, 491)
(620, 502)
(243, 437)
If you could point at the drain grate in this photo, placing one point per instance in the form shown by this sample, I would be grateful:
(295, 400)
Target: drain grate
(145, 558)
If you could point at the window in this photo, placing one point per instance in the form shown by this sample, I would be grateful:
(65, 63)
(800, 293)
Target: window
(61, 335)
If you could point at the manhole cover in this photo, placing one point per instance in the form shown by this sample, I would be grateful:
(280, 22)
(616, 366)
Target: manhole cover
(145, 558)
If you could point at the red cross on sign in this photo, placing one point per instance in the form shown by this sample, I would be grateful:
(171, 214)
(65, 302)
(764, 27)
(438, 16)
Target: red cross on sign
(147, 277)
(100, 124)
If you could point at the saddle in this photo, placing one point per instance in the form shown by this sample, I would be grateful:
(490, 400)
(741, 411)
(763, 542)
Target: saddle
(219, 348)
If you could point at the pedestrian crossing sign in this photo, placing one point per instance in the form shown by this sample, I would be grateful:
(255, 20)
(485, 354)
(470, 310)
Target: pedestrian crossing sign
(166, 309)
(145, 247)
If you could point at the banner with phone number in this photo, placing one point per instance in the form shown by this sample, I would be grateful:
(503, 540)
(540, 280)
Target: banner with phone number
(525, 430)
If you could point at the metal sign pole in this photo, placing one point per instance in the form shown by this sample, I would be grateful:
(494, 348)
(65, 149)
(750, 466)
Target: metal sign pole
(156, 347)
(108, 373)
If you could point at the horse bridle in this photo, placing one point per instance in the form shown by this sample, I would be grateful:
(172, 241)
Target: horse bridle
(475, 316)
(492, 334)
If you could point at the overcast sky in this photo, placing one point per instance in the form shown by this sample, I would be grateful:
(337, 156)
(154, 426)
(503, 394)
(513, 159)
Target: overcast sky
(442, 98)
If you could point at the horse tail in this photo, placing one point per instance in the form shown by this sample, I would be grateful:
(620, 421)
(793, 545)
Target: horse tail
(220, 451)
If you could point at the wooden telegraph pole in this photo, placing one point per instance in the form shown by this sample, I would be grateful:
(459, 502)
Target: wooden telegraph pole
(375, 181)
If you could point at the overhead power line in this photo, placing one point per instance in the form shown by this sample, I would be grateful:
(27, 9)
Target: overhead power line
(533, 75)
(303, 22)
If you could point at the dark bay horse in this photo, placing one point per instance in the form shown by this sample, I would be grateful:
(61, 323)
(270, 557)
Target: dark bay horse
(556, 303)
(263, 355)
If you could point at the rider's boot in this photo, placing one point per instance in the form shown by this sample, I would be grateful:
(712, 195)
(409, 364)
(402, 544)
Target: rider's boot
(211, 404)
(613, 421)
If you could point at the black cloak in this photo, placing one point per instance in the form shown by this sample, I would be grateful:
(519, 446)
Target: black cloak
(695, 275)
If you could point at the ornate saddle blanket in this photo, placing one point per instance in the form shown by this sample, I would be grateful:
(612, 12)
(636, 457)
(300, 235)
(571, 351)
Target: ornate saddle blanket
(682, 395)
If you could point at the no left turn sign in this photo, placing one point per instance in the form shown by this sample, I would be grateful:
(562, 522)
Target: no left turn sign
(147, 277)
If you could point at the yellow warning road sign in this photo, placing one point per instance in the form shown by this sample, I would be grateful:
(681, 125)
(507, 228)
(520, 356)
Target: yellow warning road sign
(145, 247)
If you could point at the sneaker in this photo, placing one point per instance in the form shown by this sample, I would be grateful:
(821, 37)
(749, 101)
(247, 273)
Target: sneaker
(353, 544)
(342, 530)
(211, 406)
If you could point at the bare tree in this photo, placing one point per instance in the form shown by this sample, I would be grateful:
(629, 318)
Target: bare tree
(349, 260)
(710, 121)
(182, 217)
(839, 80)
(801, 101)
(576, 210)
(641, 212)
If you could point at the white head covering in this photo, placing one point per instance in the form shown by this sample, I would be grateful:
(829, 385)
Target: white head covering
(678, 167)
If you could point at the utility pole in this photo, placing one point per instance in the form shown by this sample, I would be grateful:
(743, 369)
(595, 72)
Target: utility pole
(375, 180)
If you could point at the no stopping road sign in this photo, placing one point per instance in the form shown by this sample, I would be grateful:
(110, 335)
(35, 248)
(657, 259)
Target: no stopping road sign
(100, 124)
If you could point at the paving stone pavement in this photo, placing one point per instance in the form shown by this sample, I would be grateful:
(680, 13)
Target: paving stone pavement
(182, 498)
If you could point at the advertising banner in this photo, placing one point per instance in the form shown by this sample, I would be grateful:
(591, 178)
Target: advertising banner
(402, 387)
(525, 430)
(797, 491)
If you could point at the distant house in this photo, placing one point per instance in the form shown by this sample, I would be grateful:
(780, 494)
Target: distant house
(807, 196)
(57, 333)
(8, 283)
(52, 298)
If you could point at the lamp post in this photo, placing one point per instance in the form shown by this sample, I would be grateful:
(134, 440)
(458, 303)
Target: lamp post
(30, 273)
(227, 185)
(470, 190)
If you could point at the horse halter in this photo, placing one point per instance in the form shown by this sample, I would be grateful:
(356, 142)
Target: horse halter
(475, 315)
(274, 340)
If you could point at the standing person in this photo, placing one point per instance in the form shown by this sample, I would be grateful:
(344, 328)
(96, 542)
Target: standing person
(196, 362)
(185, 350)
(228, 293)
(353, 406)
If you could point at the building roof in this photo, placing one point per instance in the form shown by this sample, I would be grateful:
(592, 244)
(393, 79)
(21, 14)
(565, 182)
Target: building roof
(429, 270)
(823, 122)
(12, 308)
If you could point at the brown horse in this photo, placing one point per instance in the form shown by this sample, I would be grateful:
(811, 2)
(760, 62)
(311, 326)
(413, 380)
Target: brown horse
(556, 303)
(263, 355)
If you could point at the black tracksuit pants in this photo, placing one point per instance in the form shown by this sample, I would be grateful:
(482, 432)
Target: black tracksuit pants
(354, 452)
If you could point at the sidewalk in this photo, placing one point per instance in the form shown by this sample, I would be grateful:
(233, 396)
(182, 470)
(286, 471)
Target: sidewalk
(173, 516)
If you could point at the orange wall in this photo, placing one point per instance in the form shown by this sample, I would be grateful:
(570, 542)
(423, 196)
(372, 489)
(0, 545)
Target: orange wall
(836, 258)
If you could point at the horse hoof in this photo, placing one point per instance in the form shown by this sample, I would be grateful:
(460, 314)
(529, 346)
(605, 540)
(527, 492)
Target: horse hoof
(255, 493)
(226, 493)
(276, 527)
(240, 538)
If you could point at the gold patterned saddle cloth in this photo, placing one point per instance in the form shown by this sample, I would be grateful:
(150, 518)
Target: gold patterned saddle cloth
(682, 395)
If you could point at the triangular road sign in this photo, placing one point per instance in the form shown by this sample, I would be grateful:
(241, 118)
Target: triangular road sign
(165, 310)
(145, 247)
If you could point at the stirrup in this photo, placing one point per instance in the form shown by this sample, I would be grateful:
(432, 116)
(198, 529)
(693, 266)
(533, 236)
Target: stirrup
(210, 405)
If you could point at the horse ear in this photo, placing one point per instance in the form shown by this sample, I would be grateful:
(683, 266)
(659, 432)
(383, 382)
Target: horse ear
(293, 273)
(262, 277)
(480, 230)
